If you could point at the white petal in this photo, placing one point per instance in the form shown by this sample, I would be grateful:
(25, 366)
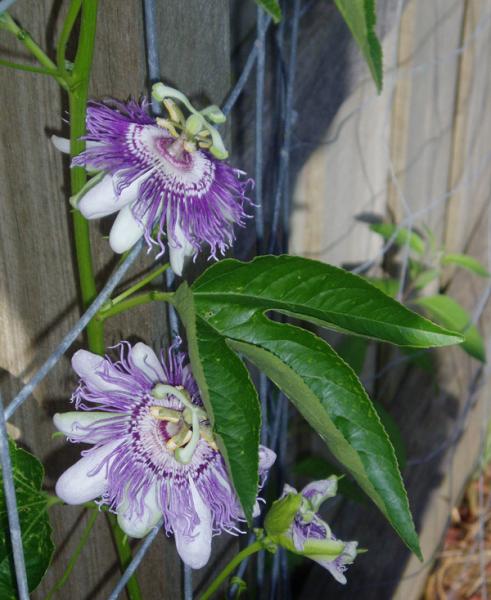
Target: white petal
(195, 551)
(60, 143)
(63, 144)
(90, 366)
(126, 231)
(73, 424)
(102, 200)
(138, 526)
(180, 249)
(76, 486)
(145, 359)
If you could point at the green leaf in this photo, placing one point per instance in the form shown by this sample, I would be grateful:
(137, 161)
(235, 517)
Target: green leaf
(230, 399)
(394, 434)
(424, 278)
(466, 262)
(360, 16)
(232, 298)
(272, 7)
(401, 235)
(331, 398)
(32, 504)
(313, 291)
(353, 350)
(449, 312)
(388, 286)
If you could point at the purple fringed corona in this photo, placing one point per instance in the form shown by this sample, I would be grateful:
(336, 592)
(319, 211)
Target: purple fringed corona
(153, 456)
(158, 185)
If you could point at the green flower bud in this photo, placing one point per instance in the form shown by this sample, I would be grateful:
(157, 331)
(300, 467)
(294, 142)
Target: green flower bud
(280, 516)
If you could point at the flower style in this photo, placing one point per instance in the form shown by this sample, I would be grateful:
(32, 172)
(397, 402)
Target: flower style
(153, 455)
(159, 182)
(307, 533)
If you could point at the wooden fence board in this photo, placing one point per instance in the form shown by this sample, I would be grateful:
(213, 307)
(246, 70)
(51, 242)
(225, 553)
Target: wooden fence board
(38, 282)
(439, 140)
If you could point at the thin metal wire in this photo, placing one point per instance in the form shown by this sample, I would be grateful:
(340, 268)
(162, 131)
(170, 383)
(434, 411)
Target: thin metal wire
(244, 76)
(287, 136)
(75, 331)
(258, 175)
(135, 562)
(12, 510)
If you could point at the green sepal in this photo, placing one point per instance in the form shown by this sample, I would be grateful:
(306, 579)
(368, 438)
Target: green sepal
(281, 514)
(92, 182)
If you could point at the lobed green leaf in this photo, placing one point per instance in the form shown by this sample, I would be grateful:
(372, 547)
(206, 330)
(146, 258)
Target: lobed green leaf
(32, 505)
(315, 292)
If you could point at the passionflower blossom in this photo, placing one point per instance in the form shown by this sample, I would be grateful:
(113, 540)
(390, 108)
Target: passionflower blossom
(159, 181)
(308, 534)
(153, 456)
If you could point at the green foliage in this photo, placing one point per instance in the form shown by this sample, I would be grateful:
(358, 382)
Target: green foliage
(353, 350)
(466, 262)
(387, 285)
(226, 312)
(36, 530)
(449, 313)
(230, 399)
(272, 7)
(401, 236)
(360, 16)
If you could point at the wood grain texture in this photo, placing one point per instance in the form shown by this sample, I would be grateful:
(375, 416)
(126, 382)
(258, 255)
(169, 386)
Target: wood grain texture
(38, 289)
(429, 154)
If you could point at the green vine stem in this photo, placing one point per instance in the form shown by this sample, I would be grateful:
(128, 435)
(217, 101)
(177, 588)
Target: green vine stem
(77, 98)
(137, 286)
(232, 565)
(137, 300)
(7, 23)
(94, 513)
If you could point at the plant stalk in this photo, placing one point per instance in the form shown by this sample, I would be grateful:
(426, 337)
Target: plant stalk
(232, 565)
(94, 513)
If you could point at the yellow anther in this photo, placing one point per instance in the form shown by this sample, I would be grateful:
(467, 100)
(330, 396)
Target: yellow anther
(168, 125)
(165, 414)
(175, 113)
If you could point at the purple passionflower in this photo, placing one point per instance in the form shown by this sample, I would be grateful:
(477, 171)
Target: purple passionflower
(311, 536)
(153, 456)
(158, 183)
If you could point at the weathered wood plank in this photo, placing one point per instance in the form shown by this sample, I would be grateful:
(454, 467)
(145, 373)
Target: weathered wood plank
(38, 282)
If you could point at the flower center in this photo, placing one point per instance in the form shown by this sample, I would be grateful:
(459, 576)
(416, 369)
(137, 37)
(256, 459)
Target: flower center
(181, 429)
(174, 152)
